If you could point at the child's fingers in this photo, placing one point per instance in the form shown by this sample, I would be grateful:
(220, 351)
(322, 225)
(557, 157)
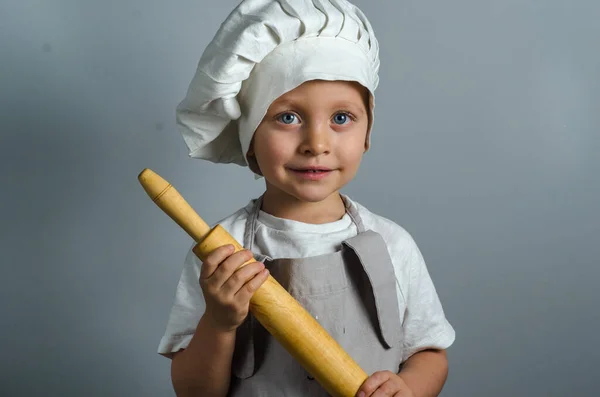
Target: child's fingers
(222, 262)
(389, 388)
(212, 261)
(373, 382)
(248, 289)
(227, 267)
(241, 277)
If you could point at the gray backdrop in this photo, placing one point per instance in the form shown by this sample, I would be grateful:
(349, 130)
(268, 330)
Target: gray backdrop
(484, 149)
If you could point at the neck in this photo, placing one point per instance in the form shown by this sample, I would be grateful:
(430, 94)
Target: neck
(285, 206)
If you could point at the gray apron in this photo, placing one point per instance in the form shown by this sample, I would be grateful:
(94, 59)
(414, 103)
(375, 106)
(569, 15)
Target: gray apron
(351, 293)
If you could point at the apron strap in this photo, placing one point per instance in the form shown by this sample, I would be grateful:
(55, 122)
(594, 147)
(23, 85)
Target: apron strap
(250, 227)
(244, 358)
(371, 251)
(353, 213)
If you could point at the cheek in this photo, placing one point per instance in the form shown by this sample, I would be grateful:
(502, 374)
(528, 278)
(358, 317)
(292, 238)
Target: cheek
(352, 159)
(272, 152)
(352, 152)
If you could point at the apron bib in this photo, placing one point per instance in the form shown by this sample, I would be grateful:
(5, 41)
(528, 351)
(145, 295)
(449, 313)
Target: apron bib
(351, 293)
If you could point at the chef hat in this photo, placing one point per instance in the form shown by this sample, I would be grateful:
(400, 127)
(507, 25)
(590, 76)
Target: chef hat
(264, 49)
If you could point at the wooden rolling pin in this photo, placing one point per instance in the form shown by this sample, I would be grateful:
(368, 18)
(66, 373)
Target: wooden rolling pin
(299, 333)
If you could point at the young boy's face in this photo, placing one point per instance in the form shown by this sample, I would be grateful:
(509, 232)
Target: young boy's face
(320, 124)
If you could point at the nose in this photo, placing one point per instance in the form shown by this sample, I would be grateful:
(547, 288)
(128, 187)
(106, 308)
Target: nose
(316, 139)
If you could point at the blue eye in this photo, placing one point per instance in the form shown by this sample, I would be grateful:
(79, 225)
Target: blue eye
(287, 118)
(341, 118)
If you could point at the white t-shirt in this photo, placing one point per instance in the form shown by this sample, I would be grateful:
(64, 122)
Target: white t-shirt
(422, 317)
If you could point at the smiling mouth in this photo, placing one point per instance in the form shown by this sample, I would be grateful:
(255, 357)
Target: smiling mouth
(312, 169)
(312, 174)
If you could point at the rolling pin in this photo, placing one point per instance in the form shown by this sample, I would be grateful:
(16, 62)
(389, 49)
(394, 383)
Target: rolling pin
(281, 315)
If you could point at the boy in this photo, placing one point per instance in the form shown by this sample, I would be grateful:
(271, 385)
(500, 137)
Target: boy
(286, 88)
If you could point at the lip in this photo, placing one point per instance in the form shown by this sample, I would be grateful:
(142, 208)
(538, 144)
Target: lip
(312, 173)
(311, 168)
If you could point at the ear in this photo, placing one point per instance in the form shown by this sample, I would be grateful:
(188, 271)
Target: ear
(251, 159)
(370, 126)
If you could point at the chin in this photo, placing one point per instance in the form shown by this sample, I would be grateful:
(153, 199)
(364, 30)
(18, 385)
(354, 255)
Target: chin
(311, 198)
(314, 194)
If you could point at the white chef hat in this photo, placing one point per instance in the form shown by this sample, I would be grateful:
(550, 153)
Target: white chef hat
(264, 49)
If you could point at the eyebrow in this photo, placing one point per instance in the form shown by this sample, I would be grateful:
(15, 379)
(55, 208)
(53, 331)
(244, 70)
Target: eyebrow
(358, 108)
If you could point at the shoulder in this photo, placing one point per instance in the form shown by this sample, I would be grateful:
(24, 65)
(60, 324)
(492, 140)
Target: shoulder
(398, 240)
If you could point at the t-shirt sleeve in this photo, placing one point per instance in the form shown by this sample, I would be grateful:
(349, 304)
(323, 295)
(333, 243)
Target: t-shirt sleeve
(188, 307)
(425, 324)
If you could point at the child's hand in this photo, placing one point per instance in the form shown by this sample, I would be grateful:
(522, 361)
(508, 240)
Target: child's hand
(384, 383)
(227, 290)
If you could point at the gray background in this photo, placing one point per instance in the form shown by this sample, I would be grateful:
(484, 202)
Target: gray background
(484, 149)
